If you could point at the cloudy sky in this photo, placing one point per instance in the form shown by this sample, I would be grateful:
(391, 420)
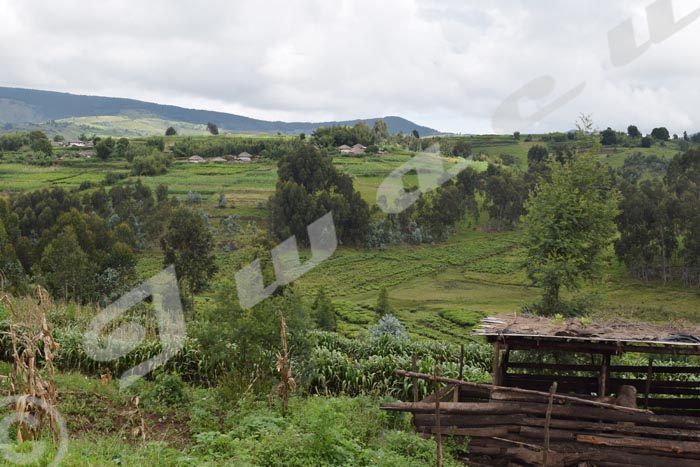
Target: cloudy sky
(455, 65)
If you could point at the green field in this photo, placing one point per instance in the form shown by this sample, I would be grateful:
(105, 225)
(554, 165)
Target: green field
(437, 290)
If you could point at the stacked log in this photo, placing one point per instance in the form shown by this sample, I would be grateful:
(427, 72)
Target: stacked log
(509, 427)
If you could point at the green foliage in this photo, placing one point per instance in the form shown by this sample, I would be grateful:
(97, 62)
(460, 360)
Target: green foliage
(188, 245)
(323, 312)
(647, 142)
(40, 142)
(154, 164)
(569, 227)
(104, 148)
(212, 128)
(222, 201)
(388, 326)
(309, 187)
(383, 307)
(319, 432)
(633, 131)
(661, 134)
(608, 137)
(168, 390)
(170, 131)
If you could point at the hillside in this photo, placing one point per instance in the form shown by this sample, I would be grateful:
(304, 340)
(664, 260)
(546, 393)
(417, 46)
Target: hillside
(29, 106)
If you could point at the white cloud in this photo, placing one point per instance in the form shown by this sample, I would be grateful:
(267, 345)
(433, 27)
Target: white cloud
(446, 64)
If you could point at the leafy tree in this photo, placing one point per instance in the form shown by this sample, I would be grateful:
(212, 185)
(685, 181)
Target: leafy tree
(212, 128)
(59, 138)
(569, 226)
(661, 134)
(302, 136)
(40, 142)
(685, 136)
(104, 148)
(383, 307)
(121, 148)
(416, 134)
(66, 267)
(608, 137)
(323, 312)
(647, 142)
(309, 186)
(505, 195)
(381, 131)
(170, 131)
(633, 131)
(516, 135)
(11, 272)
(157, 142)
(188, 244)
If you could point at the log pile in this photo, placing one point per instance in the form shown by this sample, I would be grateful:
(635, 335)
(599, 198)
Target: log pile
(510, 426)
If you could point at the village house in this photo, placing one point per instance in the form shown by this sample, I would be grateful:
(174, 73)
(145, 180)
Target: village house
(244, 157)
(345, 149)
(196, 160)
(358, 149)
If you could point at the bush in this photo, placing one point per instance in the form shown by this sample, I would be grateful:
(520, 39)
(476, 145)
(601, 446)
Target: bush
(168, 390)
(390, 326)
(151, 165)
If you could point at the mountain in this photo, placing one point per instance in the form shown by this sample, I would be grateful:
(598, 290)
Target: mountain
(30, 106)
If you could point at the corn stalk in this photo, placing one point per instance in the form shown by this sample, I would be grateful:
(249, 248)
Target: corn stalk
(33, 349)
(287, 384)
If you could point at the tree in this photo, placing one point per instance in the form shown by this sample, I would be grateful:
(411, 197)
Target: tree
(383, 307)
(685, 136)
(222, 201)
(633, 131)
(308, 187)
(647, 142)
(67, 268)
(212, 128)
(569, 226)
(608, 137)
(171, 131)
(188, 244)
(381, 131)
(516, 135)
(104, 148)
(661, 134)
(59, 138)
(121, 148)
(324, 312)
(39, 142)
(416, 134)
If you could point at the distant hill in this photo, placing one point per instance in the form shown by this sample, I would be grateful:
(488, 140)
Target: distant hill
(29, 106)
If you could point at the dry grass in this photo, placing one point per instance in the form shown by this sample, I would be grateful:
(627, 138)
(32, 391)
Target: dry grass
(32, 378)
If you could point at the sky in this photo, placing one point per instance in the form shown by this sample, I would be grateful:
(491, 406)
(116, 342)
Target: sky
(458, 66)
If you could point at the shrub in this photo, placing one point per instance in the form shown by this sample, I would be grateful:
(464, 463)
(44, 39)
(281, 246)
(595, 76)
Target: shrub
(390, 326)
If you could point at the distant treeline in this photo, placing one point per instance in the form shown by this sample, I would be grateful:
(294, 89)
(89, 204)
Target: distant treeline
(271, 148)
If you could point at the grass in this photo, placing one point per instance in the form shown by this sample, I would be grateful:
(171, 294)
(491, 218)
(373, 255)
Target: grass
(436, 290)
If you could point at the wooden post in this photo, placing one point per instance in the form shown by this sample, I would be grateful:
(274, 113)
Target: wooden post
(547, 423)
(437, 417)
(496, 370)
(604, 376)
(414, 380)
(455, 393)
(504, 364)
(650, 377)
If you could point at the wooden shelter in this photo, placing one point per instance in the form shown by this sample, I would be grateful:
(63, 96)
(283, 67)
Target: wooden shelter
(559, 398)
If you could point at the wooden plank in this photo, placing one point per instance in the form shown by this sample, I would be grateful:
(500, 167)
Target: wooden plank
(524, 391)
(613, 428)
(613, 368)
(661, 445)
